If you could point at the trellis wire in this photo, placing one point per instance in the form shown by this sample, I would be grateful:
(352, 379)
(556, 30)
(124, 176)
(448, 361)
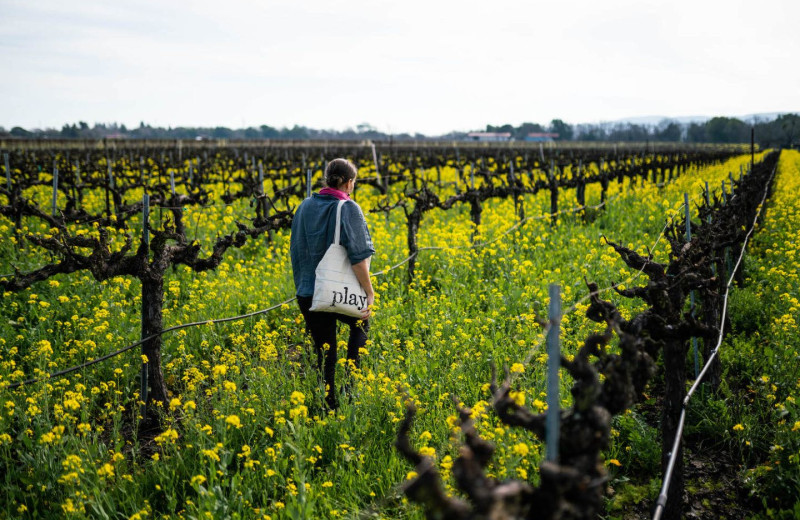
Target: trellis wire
(662, 497)
(204, 322)
(546, 329)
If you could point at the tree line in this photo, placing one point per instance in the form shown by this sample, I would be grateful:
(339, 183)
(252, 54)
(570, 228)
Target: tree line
(784, 131)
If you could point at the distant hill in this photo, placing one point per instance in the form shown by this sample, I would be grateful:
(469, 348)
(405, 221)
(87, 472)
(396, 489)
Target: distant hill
(685, 120)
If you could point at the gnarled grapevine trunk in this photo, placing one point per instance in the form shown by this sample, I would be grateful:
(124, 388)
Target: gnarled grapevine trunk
(553, 199)
(475, 214)
(674, 393)
(413, 227)
(152, 324)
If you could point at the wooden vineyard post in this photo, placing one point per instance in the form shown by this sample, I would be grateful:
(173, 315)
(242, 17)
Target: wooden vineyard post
(265, 203)
(691, 293)
(161, 167)
(603, 180)
(520, 194)
(728, 265)
(375, 161)
(112, 186)
(55, 190)
(108, 188)
(146, 248)
(308, 182)
(73, 189)
(553, 420)
(551, 177)
(514, 192)
(654, 169)
(472, 175)
(260, 189)
(78, 183)
(8, 171)
(580, 188)
(110, 176)
(643, 171)
(662, 171)
(172, 181)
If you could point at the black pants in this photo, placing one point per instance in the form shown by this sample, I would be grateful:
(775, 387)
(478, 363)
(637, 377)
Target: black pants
(322, 326)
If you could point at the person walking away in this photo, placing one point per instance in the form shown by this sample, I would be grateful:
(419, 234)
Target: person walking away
(313, 229)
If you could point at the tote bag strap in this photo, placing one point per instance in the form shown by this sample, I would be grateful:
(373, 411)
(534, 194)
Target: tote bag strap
(337, 233)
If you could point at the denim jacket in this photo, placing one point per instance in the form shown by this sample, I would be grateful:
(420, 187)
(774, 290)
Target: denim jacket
(313, 227)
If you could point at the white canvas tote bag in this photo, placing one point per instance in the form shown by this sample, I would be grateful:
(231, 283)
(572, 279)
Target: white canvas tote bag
(336, 288)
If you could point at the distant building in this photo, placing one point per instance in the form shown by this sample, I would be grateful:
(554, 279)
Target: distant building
(541, 137)
(489, 136)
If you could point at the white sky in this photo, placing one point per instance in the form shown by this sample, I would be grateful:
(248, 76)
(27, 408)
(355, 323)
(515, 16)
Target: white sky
(403, 66)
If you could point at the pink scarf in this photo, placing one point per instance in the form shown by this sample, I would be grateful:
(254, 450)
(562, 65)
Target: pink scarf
(335, 193)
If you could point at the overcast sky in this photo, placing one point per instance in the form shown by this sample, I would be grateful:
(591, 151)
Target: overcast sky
(402, 66)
